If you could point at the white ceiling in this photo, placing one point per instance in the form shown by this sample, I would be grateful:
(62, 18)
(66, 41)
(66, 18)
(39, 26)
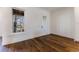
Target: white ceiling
(44, 8)
(51, 8)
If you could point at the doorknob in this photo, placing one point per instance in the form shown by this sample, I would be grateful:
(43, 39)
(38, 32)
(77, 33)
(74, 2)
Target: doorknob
(41, 26)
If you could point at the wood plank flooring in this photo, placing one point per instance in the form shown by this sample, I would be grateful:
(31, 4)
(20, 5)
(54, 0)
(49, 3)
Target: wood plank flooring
(47, 43)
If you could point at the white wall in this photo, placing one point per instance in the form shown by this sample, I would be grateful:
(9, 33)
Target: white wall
(6, 17)
(0, 24)
(76, 12)
(32, 25)
(0, 29)
(62, 22)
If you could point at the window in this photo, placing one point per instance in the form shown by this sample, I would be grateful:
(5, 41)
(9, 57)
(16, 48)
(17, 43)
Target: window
(18, 21)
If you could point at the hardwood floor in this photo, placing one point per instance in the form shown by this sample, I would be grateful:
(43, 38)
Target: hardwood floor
(48, 43)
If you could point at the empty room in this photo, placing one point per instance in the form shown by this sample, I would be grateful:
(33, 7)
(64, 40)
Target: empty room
(39, 29)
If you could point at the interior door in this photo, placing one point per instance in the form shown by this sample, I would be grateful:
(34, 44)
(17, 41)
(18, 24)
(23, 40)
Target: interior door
(44, 25)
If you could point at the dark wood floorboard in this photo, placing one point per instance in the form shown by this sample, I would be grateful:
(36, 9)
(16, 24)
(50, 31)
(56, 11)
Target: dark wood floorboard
(47, 43)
